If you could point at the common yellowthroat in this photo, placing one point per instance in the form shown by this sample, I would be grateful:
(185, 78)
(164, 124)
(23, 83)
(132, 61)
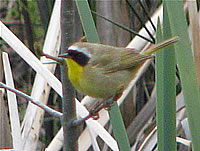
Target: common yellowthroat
(103, 71)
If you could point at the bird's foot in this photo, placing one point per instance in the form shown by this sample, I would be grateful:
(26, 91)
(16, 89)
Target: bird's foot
(94, 113)
(108, 104)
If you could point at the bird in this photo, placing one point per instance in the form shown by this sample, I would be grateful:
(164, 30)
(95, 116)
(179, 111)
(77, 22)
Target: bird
(104, 71)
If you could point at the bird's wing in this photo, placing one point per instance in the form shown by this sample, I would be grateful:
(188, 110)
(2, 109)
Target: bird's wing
(126, 60)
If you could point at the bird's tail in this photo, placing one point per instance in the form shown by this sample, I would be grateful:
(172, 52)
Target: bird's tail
(160, 45)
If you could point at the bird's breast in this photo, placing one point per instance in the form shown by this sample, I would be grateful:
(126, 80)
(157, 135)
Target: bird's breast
(75, 72)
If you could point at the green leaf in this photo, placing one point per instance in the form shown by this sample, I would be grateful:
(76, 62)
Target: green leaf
(87, 21)
(119, 128)
(186, 66)
(92, 36)
(159, 88)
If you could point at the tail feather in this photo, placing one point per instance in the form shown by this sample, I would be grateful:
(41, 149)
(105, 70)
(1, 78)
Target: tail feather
(160, 45)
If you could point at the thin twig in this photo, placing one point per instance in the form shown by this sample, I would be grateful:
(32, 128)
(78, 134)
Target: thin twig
(78, 122)
(36, 102)
(140, 20)
(57, 59)
(146, 13)
(123, 27)
(45, 107)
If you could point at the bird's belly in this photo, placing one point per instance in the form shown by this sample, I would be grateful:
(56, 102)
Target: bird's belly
(99, 85)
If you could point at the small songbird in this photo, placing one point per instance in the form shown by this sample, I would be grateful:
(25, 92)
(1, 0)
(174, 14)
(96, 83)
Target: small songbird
(103, 71)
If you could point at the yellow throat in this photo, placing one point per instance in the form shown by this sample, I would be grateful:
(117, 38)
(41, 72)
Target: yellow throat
(74, 72)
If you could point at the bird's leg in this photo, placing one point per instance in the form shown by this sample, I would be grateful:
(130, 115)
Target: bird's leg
(94, 112)
(119, 93)
(110, 101)
(107, 104)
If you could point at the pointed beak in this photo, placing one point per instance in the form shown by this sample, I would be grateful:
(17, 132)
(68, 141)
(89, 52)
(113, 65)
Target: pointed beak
(64, 55)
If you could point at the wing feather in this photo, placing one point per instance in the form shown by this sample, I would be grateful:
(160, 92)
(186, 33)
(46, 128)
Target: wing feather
(128, 59)
(116, 61)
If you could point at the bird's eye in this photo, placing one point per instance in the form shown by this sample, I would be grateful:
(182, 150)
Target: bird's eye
(79, 57)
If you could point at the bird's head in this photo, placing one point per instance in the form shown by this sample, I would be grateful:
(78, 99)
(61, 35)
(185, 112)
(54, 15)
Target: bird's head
(77, 52)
